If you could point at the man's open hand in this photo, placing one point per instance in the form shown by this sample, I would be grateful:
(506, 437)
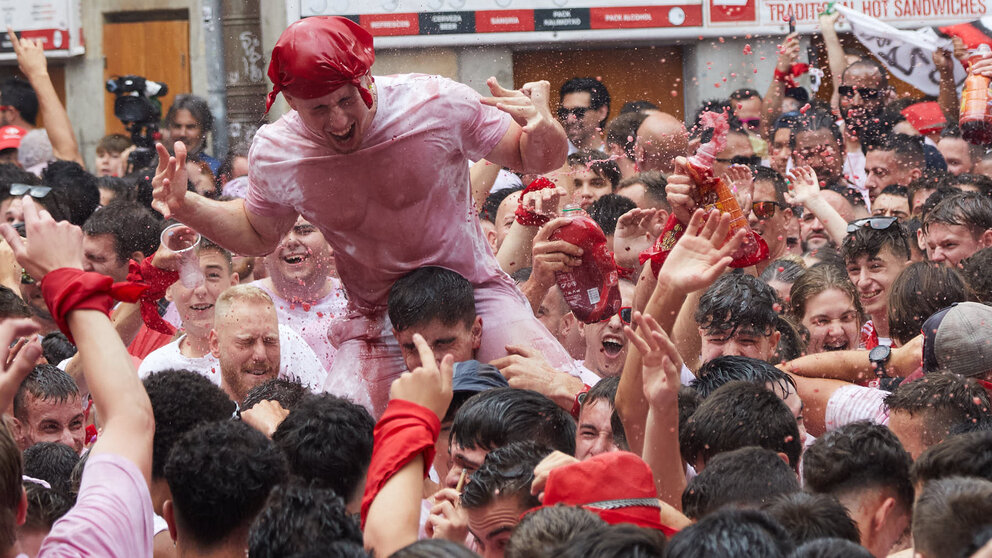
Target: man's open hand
(526, 368)
(52, 245)
(660, 361)
(703, 252)
(428, 385)
(527, 105)
(18, 366)
(169, 184)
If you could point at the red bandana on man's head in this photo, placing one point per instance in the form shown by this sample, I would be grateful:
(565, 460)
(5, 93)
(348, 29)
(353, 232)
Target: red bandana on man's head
(317, 55)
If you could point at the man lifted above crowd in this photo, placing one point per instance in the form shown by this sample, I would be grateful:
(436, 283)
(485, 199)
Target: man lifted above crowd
(336, 159)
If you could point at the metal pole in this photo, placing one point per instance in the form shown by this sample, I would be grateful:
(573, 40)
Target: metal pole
(244, 65)
(216, 92)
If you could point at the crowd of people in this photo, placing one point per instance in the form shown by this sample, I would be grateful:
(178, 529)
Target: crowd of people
(373, 355)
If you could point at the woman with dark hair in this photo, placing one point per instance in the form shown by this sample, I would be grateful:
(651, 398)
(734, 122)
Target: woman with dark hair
(189, 120)
(826, 303)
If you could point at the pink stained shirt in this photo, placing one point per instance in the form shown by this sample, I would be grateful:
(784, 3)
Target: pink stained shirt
(113, 515)
(401, 201)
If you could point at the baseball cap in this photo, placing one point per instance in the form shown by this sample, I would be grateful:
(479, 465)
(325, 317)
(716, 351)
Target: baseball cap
(473, 376)
(617, 486)
(10, 137)
(798, 93)
(958, 339)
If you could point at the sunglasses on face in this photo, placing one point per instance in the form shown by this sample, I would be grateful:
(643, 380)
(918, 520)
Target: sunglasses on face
(578, 112)
(626, 314)
(765, 209)
(867, 93)
(750, 122)
(874, 223)
(17, 189)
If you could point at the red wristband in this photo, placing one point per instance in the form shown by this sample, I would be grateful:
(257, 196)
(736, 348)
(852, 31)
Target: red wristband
(789, 77)
(528, 218)
(67, 289)
(405, 431)
(157, 281)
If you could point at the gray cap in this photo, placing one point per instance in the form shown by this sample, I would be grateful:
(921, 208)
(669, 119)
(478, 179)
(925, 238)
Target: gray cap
(958, 339)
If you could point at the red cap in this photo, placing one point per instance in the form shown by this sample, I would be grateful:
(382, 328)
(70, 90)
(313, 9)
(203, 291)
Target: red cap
(317, 55)
(617, 486)
(10, 137)
(926, 117)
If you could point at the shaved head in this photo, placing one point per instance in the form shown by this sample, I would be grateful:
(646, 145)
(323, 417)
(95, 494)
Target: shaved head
(660, 139)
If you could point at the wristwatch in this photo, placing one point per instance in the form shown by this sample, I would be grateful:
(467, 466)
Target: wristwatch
(879, 356)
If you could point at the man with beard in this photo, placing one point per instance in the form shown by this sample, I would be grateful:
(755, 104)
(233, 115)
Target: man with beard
(864, 90)
(245, 341)
(817, 143)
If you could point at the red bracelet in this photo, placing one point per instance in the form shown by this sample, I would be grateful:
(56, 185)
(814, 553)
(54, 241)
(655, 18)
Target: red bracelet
(404, 431)
(789, 78)
(526, 217)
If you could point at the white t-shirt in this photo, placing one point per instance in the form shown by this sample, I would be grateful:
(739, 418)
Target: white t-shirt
(297, 360)
(311, 321)
(587, 376)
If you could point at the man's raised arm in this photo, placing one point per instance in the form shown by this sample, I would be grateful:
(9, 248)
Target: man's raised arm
(125, 411)
(32, 62)
(229, 224)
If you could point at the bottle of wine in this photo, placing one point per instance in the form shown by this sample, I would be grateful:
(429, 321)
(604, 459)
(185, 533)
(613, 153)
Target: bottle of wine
(591, 289)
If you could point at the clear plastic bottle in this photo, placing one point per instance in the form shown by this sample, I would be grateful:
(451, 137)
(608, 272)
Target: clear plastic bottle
(976, 103)
(591, 289)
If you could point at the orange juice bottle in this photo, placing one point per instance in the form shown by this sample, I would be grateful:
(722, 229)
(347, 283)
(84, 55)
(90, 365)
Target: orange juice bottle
(976, 103)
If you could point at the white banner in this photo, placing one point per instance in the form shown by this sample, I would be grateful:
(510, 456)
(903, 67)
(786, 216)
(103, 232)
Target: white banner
(907, 54)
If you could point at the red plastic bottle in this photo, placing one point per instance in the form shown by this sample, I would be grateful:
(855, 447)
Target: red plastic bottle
(716, 193)
(976, 103)
(591, 290)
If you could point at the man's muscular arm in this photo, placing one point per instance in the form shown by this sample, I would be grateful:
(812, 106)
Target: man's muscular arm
(228, 223)
(535, 141)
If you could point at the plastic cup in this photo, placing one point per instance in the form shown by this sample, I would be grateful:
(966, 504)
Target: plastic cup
(184, 241)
